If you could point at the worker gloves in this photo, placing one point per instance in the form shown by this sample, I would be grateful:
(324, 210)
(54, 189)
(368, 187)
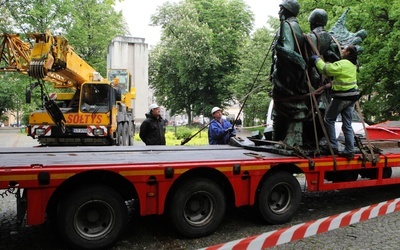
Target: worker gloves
(229, 130)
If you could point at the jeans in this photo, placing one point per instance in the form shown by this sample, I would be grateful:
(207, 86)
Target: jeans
(346, 109)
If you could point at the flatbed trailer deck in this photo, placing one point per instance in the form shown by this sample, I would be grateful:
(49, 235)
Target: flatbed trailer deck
(84, 189)
(126, 155)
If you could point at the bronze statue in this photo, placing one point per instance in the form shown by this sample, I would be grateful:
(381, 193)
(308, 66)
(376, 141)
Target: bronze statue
(344, 37)
(298, 89)
(289, 78)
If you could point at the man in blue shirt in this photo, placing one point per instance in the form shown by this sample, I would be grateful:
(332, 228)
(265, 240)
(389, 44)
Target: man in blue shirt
(220, 130)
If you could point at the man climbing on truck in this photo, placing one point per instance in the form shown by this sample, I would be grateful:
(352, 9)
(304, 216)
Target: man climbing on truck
(345, 94)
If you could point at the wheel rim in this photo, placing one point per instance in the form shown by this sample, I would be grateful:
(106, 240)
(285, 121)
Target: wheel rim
(280, 198)
(199, 208)
(94, 220)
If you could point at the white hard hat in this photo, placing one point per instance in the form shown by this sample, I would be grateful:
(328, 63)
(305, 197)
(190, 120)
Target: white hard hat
(213, 110)
(153, 106)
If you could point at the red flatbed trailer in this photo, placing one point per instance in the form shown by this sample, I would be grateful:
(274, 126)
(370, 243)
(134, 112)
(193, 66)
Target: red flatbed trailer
(389, 130)
(85, 189)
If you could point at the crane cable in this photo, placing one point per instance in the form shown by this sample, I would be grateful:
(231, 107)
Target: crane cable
(186, 140)
(254, 82)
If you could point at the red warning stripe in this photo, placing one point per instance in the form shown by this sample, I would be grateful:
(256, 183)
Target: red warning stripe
(303, 230)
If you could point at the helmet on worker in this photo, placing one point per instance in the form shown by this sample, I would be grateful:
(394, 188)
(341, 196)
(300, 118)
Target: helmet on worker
(215, 109)
(318, 17)
(153, 106)
(291, 5)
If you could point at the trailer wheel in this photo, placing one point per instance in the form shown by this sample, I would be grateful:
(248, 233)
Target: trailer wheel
(279, 198)
(131, 133)
(92, 218)
(125, 134)
(197, 208)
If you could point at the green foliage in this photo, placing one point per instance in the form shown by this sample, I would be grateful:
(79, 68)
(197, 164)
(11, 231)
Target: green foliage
(183, 132)
(12, 95)
(28, 16)
(198, 58)
(94, 25)
(252, 86)
(175, 135)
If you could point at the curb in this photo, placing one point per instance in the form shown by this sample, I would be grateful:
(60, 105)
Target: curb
(303, 230)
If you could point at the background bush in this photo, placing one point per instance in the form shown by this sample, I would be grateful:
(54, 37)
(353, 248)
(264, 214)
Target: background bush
(175, 135)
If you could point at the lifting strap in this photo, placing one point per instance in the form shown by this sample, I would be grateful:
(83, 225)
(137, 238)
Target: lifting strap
(314, 101)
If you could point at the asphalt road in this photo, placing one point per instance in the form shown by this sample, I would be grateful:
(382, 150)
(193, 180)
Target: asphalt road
(154, 232)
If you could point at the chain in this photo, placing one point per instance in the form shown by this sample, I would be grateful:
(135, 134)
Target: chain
(9, 191)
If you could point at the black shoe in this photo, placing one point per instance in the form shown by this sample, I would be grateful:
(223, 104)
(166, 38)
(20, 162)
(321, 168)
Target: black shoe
(349, 156)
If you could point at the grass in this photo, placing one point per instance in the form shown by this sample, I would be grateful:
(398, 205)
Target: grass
(175, 135)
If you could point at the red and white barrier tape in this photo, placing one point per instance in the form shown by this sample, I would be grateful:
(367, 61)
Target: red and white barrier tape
(300, 231)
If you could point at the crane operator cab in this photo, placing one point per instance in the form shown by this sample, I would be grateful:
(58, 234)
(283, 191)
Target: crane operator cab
(95, 97)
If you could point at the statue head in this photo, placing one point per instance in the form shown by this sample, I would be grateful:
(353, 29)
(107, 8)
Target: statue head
(318, 17)
(291, 5)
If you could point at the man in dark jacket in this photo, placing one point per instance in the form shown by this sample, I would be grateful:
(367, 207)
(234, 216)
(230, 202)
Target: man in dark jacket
(152, 130)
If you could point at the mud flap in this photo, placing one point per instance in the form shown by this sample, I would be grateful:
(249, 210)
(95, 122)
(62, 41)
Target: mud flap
(21, 208)
(56, 115)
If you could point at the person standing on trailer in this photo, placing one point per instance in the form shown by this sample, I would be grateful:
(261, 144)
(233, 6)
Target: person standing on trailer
(152, 130)
(220, 130)
(345, 93)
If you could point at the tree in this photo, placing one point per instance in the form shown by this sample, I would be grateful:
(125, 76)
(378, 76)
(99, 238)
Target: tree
(196, 62)
(252, 87)
(94, 24)
(27, 16)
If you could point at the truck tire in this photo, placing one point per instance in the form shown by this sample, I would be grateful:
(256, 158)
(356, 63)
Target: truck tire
(279, 198)
(197, 208)
(120, 139)
(125, 134)
(131, 133)
(92, 218)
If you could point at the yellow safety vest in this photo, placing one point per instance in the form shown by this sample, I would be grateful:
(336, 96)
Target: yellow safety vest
(344, 74)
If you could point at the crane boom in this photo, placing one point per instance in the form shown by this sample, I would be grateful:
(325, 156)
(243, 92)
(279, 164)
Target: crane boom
(14, 54)
(50, 58)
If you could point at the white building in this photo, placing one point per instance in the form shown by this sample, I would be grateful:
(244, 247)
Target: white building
(131, 53)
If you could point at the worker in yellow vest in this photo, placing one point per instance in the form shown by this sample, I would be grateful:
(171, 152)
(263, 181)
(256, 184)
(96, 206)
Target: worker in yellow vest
(345, 93)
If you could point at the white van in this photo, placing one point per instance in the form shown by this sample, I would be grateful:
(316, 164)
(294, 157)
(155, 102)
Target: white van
(356, 124)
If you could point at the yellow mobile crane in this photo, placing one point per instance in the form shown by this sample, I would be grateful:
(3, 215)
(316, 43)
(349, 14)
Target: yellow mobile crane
(94, 111)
